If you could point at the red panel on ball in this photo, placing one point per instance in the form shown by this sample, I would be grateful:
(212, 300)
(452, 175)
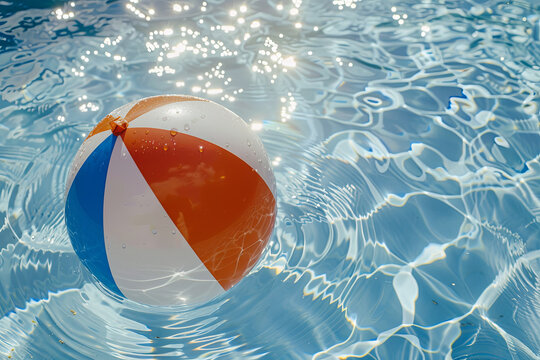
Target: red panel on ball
(219, 203)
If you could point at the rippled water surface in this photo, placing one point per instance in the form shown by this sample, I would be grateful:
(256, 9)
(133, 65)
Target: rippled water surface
(404, 137)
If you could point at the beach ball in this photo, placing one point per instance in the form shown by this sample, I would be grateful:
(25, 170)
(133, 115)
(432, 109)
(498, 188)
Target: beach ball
(170, 200)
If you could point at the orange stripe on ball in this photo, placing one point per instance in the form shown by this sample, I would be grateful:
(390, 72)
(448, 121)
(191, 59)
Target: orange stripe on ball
(219, 203)
(140, 108)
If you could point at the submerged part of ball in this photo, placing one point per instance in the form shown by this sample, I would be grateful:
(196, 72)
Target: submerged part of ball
(170, 200)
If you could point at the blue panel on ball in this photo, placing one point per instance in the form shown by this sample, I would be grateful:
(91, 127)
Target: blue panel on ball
(84, 213)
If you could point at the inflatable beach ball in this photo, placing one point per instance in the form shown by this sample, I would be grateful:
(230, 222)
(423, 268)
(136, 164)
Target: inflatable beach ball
(170, 200)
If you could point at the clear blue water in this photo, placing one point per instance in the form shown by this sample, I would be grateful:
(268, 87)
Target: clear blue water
(405, 141)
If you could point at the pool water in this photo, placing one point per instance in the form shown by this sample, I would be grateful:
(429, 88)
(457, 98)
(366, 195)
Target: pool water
(405, 140)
